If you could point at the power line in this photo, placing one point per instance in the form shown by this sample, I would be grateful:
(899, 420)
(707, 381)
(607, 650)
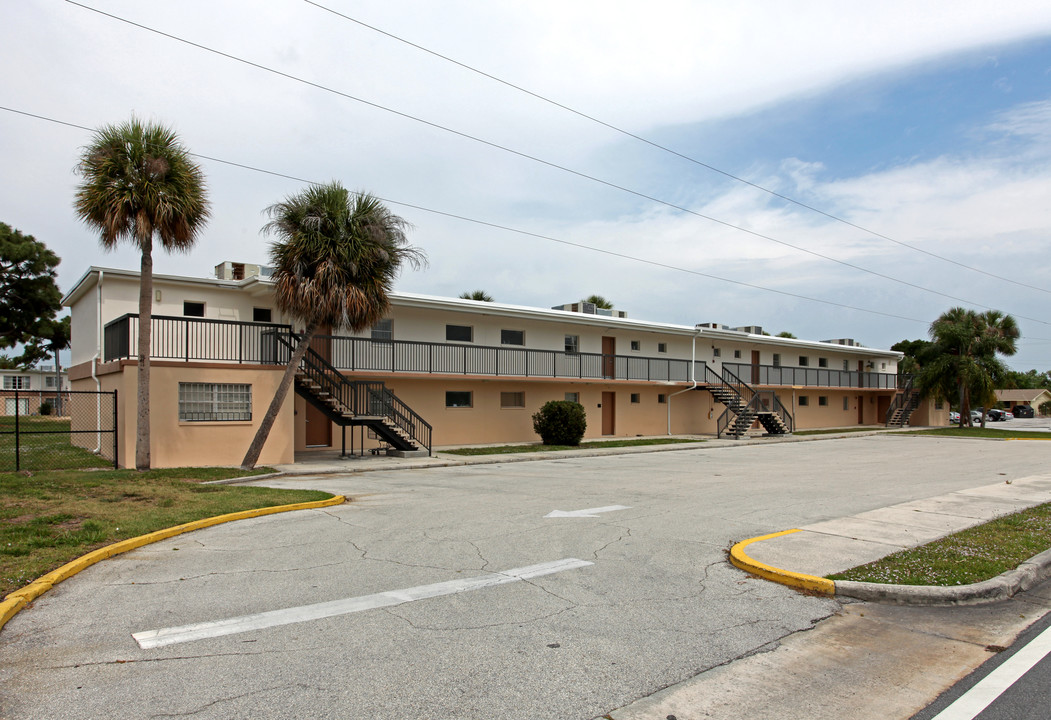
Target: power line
(507, 228)
(536, 159)
(671, 151)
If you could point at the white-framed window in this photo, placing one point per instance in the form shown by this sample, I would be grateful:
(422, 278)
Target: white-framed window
(49, 381)
(16, 408)
(264, 315)
(803, 361)
(636, 345)
(636, 398)
(215, 401)
(383, 330)
(459, 399)
(822, 362)
(883, 366)
(822, 400)
(846, 366)
(777, 359)
(737, 354)
(573, 397)
(193, 309)
(512, 337)
(662, 347)
(512, 399)
(459, 333)
(717, 352)
(572, 344)
(804, 401)
(16, 382)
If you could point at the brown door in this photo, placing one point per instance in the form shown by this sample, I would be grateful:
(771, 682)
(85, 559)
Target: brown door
(882, 408)
(755, 367)
(861, 409)
(609, 413)
(318, 428)
(609, 349)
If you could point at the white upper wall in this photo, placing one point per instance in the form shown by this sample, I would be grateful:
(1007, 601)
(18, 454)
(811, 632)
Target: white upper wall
(424, 318)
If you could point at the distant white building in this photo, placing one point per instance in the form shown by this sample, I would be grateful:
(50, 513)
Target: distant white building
(26, 390)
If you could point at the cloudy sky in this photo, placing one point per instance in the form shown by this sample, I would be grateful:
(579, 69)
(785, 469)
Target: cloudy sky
(920, 131)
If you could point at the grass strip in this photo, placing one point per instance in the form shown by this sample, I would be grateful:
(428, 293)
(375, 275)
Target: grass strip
(511, 449)
(969, 556)
(978, 432)
(49, 518)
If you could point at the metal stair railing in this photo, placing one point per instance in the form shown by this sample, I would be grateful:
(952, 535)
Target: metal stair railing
(902, 399)
(728, 382)
(769, 402)
(355, 398)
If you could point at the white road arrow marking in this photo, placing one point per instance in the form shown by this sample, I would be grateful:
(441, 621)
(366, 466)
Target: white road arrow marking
(590, 512)
(173, 635)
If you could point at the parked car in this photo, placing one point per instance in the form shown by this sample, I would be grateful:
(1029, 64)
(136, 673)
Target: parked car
(954, 417)
(976, 417)
(1008, 415)
(1023, 411)
(995, 415)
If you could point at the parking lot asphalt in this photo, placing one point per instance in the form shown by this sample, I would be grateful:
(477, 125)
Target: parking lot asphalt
(457, 592)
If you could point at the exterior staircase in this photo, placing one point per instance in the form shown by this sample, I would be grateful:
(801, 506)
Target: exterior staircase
(745, 405)
(907, 400)
(356, 403)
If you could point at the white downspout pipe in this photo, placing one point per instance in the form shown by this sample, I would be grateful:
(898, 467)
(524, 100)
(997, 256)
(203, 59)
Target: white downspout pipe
(94, 365)
(693, 372)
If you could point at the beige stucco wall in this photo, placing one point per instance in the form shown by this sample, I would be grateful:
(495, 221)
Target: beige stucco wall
(174, 443)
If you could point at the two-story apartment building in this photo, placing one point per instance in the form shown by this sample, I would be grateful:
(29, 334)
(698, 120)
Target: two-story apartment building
(444, 371)
(25, 391)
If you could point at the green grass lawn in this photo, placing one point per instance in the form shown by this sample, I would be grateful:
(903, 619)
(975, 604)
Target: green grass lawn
(972, 555)
(511, 449)
(988, 432)
(45, 443)
(49, 518)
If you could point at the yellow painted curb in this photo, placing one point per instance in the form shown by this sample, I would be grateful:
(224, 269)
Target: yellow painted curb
(799, 580)
(18, 599)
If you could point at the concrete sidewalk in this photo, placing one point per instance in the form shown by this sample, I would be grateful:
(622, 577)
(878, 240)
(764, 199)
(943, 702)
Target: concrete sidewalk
(803, 556)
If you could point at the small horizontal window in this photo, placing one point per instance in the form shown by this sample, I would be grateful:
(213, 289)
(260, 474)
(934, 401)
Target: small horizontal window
(193, 309)
(262, 315)
(512, 399)
(573, 397)
(636, 345)
(458, 399)
(16, 382)
(512, 337)
(459, 333)
(215, 402)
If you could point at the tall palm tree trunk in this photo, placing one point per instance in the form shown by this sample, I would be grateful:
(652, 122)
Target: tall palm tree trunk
(142, 412)
(256, 448)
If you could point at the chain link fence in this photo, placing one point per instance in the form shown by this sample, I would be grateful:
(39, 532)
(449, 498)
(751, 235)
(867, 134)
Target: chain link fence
(57, 431)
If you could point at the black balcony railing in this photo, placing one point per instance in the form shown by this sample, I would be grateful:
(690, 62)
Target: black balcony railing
(202, 339)
(813, 377)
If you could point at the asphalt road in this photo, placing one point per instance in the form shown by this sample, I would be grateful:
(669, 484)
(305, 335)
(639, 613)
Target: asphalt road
(651, 603)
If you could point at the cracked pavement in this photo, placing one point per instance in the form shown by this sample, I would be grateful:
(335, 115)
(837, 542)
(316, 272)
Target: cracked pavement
(659, 605)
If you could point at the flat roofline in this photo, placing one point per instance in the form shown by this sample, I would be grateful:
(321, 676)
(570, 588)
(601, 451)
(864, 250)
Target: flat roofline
(418, 300)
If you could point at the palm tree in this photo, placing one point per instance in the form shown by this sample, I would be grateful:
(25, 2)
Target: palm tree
(335, 261)
(963, 363)
(140, 184)
(599, 302)
(480, 295)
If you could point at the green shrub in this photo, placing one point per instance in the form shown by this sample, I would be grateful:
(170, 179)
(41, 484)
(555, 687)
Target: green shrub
(45, 407)
(560, 422)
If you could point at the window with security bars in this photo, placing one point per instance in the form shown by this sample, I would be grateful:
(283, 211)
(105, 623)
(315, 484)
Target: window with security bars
(16, 382)
(215, 401)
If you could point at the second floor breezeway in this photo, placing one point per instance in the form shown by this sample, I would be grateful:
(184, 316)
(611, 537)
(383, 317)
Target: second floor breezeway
(227, 341)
